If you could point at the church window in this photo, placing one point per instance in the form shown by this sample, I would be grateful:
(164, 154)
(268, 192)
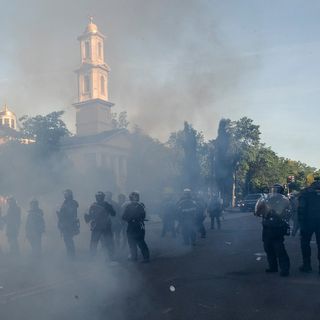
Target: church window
(7, 122)
(100, 50)
(102, 85)
(87, 50)
(86, 86)
(12, 123)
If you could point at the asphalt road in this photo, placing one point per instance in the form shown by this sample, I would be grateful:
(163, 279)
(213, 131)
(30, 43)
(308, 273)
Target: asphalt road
(222, 277)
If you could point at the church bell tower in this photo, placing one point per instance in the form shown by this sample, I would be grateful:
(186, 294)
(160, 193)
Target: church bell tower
(93, 109)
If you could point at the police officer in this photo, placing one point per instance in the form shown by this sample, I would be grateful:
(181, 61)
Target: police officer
(215, 210)
(121, 205)
(275, 212)
(309, 221)
(13, 222)
(187, 210)
(35, 227)
(116, 220)
(68, 222)
(99, 217)
(201, 214)
(168, 215)
(134, 214)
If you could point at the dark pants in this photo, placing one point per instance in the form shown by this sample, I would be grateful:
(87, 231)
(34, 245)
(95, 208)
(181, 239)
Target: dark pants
(188, 233)
(69, 243)
(168, 225)
(201, 228)
(217, 219)
(135, 240)
(306, 235)
(273, 242)
(13, 244)
(106, 239)
(35, 242)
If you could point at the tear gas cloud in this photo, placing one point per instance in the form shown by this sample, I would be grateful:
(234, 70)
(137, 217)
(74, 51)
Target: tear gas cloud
(169, 62)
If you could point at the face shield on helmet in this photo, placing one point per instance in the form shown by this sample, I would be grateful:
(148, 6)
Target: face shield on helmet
(68, 194)
(100, 196)
(134, 196)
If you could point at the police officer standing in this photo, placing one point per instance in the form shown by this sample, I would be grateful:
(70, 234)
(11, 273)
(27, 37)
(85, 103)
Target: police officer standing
(275, 212)
(35, 227)
(68, 222)
(134, 214)
(215, 210)
(309, 221)
(168, 215)
(187, 212)
(13, 222)
(201, 214)
(99, 217)
(116, 220)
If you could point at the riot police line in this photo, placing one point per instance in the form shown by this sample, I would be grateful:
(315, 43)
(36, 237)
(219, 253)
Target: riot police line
(106, 218)
(112, 223)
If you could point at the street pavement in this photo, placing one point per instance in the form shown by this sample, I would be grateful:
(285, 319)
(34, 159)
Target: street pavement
(222, 277)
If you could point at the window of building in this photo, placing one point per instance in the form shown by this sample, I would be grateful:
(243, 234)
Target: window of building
(100, 50)
(6, 122)
(12, 123)
(86, 85)
(102, 82)
(87, 50)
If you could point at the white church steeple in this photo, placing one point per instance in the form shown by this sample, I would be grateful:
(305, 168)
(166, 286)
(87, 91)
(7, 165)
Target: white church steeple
(93, 106)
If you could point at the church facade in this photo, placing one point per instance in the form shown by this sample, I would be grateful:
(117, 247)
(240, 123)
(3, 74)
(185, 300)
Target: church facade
(97, 143)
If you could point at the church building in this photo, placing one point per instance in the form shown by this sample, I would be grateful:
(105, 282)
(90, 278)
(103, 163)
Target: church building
(97, 143)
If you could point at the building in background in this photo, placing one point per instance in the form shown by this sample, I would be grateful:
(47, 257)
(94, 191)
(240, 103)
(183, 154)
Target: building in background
(97, 144)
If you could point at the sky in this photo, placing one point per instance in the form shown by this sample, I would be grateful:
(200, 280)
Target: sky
(174, 60)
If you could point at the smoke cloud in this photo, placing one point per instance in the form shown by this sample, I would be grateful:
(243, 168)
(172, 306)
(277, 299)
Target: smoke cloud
(169, 61)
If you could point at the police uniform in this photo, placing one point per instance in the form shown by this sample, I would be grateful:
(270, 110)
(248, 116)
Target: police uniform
(187, 211)
(68, 224)
(13, 222)
(35, 227)
(99, 217)
(309, 221)
(275, 212)
(134, 214)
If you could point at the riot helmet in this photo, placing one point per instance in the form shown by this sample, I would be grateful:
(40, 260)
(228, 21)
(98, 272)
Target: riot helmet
(34, 204)
(100, 196)
(68, 194)
(277, 188)
(134, 196)
(187, 193)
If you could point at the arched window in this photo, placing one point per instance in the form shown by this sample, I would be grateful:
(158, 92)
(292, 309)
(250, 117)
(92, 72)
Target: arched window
(100, 50)
(102, 83)
(12, 124)
(86, 85)
(87, 50)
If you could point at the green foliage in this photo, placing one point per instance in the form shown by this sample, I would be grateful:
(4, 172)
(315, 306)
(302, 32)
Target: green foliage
(46, 131)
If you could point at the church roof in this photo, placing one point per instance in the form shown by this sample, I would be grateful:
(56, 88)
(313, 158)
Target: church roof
(91, 139)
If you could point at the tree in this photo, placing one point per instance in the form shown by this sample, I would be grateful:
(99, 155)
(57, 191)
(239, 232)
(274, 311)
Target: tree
(47, 131)
(188, 145)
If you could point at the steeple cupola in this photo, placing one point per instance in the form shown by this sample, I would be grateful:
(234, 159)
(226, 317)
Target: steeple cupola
(93, 106)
